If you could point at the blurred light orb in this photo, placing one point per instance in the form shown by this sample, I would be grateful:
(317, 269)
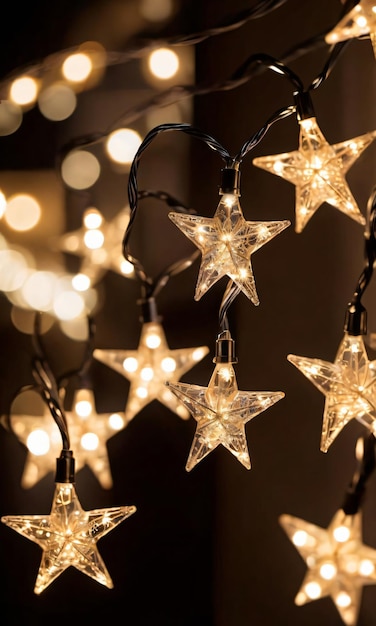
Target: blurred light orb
(23, 91)
(77, 67)
(92, 218)
(3, 204)
(81, 282)
(57, 102)
(156, 10)
(80, 169)
(11, 117)
(38, 290)
(163, 63)
(68, 305)
(122, 145)
(38, 442)
(22, 212)
(13, 269)
(94, 239)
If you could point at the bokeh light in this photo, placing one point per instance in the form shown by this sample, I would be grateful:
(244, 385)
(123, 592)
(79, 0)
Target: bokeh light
(57, 102)
(163, 63)
(23, 91)
(22, 212)
(80, 169)
(122, 145)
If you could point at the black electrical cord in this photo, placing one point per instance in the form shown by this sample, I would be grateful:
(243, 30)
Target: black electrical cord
(151, 287)
(356, 314)
(356, 490)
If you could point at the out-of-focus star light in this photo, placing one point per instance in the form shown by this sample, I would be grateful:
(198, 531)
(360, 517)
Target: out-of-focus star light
(360, 21)
(349, 386)
(227, 242)
(88, 430)
(339, 564)
(99, 243)
(221, 412)
(317, 169)
(149, 367)
(68, 536)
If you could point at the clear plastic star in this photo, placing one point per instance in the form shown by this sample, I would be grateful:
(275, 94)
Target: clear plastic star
(221, 412)
(88, 432)
(361, 20)
(349, 386)
(339, 564)
(68, 536)
(227, 242)
(317, 169)
(99, 243)
(149, 367)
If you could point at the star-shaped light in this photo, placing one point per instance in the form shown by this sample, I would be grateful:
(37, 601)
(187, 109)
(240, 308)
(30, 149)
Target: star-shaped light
(361, 20)
(99, 243)
(339, 564)
(88, 432)
(317, 169)
(227, 242)
(221, 412)
(68, 536)
(349, 386)
(149, 367)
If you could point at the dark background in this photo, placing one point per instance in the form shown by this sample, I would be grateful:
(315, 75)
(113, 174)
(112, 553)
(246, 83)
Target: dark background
(205, 548)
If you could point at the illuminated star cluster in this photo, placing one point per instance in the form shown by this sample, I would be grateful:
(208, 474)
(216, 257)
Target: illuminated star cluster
(88, 430)
(349, 386)
(318, 169)
(227, 242)
(68, 536)
(360, 21)
(149, 367)
(99, 244)
(339, 564)
(221, 412)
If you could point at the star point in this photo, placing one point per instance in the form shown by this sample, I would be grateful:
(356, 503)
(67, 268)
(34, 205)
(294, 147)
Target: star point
(317, 169)
(221, 412)
(68, 536)
(227, 242)
(349, 386)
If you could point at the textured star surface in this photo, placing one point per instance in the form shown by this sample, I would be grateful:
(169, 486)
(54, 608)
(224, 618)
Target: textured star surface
(221, 412)
(88, 433)
(349, 386)
(318, 169)
(339, 564)
(149, 367)
(226, 242)
(68, 536)
(360, 21)
(100, 248)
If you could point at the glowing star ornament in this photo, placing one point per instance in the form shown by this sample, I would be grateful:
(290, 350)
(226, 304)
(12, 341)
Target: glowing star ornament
(99, 243)
(149, 367)
(339, 564)
(360, 21)
(68, 536)
(317, 169)
(349, 386)
(227, 241)
(221, 410)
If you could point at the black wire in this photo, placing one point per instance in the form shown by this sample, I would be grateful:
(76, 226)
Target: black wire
(231, 293)
(356, 316)
(47, 384)
(257, 137)
(356, 490)
(133, 196)
(151, 287)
